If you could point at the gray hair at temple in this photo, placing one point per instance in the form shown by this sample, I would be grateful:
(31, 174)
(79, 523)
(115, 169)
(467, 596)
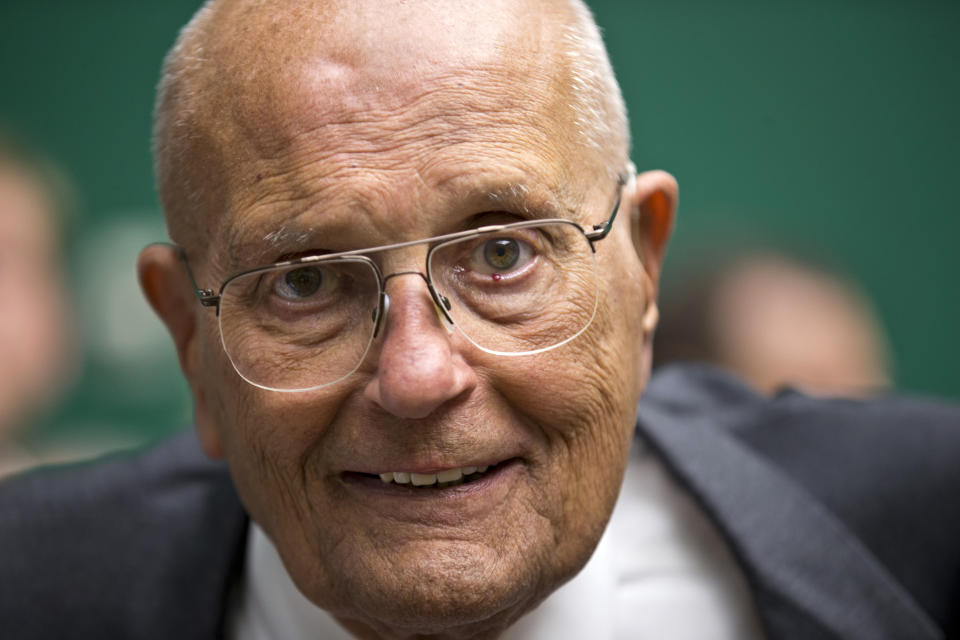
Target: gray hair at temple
(596, 102)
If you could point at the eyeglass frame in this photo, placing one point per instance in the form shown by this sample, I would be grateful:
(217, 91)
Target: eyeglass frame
(210, 298)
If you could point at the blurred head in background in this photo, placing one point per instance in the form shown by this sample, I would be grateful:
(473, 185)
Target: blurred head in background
(775, 321)
(35, 319)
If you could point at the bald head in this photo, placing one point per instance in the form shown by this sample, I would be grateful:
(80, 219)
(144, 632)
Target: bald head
(247, 79)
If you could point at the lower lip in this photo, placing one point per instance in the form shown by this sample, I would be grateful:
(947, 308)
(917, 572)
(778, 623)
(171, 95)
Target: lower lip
(403, 501)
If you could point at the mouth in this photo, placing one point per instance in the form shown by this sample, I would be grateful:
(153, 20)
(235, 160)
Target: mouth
(436, 497)
(440, 479)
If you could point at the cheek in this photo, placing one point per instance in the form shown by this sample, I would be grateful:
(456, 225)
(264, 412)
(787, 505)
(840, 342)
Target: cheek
(270, 440)
(581, 399)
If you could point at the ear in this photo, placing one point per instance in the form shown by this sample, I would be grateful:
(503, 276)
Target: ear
(652, 201)
(169, 290)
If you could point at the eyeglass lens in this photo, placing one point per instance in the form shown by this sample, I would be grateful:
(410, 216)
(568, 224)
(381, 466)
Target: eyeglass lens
(514, 291)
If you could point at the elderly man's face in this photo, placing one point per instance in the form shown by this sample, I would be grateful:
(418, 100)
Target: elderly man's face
(385, 139)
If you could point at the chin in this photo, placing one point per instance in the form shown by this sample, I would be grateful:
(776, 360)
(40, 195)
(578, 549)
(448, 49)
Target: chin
(440, 589)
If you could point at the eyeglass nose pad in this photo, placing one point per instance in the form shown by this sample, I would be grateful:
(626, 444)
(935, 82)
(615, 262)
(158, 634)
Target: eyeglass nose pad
(445, 318)
(377, 316)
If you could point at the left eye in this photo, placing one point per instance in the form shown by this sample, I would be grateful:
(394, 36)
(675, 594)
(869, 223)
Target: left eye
(305, 282)
(501, 255)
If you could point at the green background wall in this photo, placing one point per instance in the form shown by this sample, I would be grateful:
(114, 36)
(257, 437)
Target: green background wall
(830, 125)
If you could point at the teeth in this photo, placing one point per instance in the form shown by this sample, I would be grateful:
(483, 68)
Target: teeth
(423, 479)
(449, 475)
(428, 479)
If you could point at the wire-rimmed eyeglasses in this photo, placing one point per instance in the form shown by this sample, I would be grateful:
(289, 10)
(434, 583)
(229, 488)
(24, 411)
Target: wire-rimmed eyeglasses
(510, 289)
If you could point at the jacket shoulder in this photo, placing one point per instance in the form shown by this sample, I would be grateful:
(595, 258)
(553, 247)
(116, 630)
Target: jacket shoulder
(887, 467)
(121, 547)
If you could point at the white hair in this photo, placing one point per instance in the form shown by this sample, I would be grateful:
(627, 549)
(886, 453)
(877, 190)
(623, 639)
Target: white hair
(173, 118)
(598, 106)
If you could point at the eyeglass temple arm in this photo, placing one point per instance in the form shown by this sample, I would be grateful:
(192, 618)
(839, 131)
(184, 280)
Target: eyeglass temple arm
(206, 297)
(600, 231)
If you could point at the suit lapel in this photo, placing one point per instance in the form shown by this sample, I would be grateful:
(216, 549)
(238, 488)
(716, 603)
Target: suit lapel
(810, 576)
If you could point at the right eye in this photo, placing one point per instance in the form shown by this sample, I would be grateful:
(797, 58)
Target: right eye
(305, 283)
(501, 255)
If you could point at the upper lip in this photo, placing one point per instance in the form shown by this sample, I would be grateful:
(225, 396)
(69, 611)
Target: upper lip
(428, 446)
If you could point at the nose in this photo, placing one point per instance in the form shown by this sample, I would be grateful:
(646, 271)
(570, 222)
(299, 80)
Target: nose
(418, 368)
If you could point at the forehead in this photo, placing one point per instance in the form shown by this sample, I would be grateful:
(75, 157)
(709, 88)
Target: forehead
(388, 131)
(381, 66)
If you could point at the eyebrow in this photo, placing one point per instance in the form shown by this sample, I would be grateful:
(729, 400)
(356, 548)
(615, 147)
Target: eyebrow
(248, 250)
(517, 196)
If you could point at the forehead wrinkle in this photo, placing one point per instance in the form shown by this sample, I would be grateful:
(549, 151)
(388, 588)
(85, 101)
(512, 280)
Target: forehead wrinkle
(437, 115)
(397, 137)
(354, 198)
(248, 248)
(354, 176)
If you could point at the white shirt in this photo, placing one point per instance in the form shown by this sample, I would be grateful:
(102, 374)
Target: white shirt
(661, 570)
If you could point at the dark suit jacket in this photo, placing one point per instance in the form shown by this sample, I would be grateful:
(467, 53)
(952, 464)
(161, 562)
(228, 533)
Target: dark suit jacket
(844, 515)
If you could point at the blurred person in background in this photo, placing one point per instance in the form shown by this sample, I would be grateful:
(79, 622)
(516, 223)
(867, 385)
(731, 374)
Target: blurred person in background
(36, 342)
(776, 321)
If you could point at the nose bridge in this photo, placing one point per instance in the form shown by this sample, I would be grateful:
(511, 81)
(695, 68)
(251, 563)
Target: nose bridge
(402, 261)
(396, 274)
(418, 368)
(440, 304)
(400, 258)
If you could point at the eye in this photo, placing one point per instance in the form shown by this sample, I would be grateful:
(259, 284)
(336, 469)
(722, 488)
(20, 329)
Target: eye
(501, 255)
(304, 282)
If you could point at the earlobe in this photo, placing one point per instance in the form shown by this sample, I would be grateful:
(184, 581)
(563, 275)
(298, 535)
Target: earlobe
(652, 199)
